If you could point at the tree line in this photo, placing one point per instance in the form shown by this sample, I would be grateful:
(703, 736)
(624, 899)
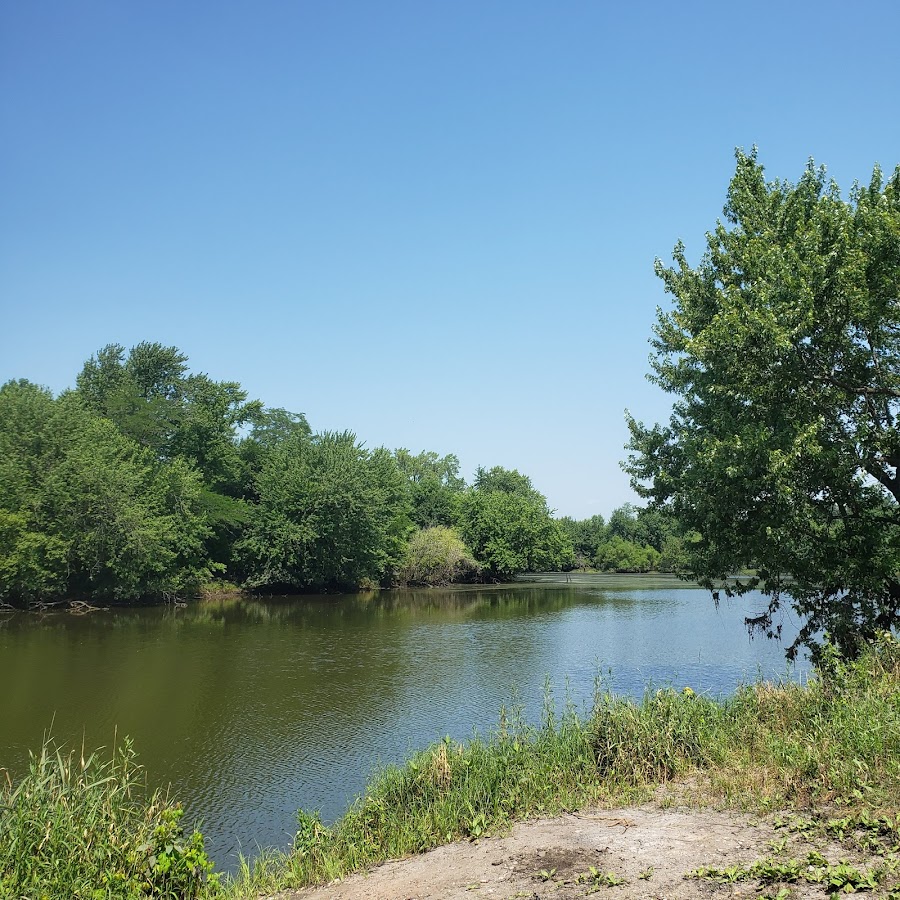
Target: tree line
(635, 539)
(146, 480)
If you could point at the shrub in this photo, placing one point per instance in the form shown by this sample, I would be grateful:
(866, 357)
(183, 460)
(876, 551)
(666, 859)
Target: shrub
(437, 556)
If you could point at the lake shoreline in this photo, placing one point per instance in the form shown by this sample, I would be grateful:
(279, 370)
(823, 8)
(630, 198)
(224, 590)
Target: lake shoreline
(252, 708)
(230, 591)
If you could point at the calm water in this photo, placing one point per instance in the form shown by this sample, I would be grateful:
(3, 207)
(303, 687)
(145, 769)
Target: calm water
(252, 709)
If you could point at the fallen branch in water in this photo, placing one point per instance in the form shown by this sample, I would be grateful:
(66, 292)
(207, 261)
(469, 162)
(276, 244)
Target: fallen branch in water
(80, 607)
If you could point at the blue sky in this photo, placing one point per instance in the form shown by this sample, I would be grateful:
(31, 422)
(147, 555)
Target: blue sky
(431, 223)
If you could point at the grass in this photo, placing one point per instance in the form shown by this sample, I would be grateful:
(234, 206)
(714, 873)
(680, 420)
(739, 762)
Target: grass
(81, 826)
(832, 743)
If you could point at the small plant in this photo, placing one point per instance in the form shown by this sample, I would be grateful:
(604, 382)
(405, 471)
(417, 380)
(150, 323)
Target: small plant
(839, 877)
(729, 875)
(647, 874)
(596, 879)
(847, 879)
(546, 874)
(478, 825)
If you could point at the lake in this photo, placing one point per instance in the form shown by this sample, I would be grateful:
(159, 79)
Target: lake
(252, 708)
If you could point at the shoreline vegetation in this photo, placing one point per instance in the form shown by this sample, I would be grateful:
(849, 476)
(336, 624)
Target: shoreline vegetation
(149, 483)
(220, 591)
(829, 749)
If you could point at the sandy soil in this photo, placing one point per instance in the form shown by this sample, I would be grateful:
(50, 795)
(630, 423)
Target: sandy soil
(650, 847)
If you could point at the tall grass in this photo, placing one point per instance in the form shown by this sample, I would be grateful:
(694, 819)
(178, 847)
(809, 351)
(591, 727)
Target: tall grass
(80, 826)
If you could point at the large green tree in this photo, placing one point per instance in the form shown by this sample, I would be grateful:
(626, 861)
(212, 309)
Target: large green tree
(586, 535)
(86, 511)
(149, 395)
(782, 350)
(331, 514)
(434, 486)
(508, 526)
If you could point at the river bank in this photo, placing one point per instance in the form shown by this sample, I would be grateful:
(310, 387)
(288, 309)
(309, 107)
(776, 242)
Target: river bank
(254, 708)
(826, 754)
(658, 850)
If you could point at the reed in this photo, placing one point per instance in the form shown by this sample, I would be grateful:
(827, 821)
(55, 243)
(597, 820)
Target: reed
(81, 826)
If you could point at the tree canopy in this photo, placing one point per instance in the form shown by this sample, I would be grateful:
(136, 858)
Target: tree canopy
(85, 510)
(149, 480)
(508, 525)
(330, 515)
(782, 350)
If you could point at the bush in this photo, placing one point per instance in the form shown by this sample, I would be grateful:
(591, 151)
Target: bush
(437, 556)
(620, 555)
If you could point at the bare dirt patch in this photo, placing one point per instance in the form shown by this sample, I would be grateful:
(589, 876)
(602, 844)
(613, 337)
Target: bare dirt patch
(643, 852)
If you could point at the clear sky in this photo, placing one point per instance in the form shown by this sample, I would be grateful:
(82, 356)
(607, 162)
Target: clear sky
(431, 223)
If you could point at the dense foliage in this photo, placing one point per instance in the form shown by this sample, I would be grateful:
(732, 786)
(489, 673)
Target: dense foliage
(330, 514)
(437, 555)
(633, 540)
(507, 524)
(86, 510)
(148, 481)
(782, 350)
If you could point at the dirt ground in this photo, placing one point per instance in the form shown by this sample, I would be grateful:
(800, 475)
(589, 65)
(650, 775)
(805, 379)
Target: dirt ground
(650, 848)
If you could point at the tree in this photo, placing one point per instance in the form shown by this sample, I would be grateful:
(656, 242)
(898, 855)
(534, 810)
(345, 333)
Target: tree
(509, 481)
(330, 515)
(85, 511)
(434, 485)
(271, 428)
(151, 398)
(619, 554)
(782, 453)
(586, 535)
(508, 526)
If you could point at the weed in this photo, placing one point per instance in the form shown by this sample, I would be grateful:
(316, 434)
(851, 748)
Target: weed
(596, 879)
(839, 877)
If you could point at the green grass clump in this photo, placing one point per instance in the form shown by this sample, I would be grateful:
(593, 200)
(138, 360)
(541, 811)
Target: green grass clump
(80, 827)
(449, 791)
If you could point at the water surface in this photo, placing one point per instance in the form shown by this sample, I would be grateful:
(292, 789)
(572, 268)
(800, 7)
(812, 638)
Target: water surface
(254, 708)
